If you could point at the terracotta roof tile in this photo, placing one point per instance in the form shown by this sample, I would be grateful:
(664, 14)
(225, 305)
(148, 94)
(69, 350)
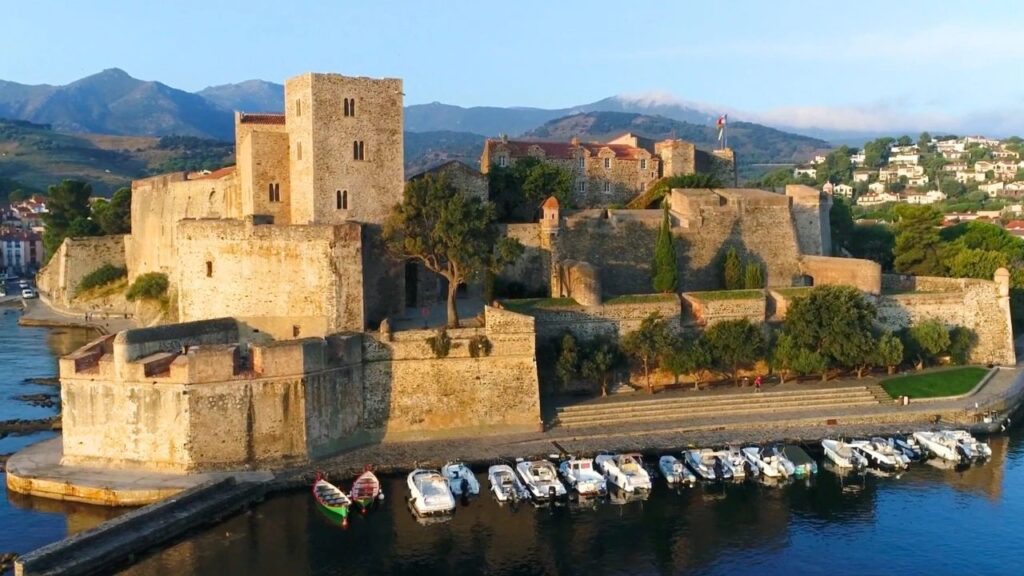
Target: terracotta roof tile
(216, 174)
(565, 150)
(550, 203)
(261, 118)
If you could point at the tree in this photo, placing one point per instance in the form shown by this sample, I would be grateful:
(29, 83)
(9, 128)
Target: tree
(951, 188)
(17, 196)
(837, 167)
(835, 322)
(68, 214)
(450, 232)
(876, 152)
(783, 355)
(665, 278)
(689, 358)
(961, 342)
(115, 216)
(904, 141)
(732, 270)
(647, 343)
(840, 218)
(734, 344)
(753, 277)
(873, 242)
(567, 367)
(924, 141)
(917, 249)
(599, 362)
(890, 351)
(517, 190)
(927, 340)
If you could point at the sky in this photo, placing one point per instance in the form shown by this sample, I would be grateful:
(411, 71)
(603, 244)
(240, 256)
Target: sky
(867, 65)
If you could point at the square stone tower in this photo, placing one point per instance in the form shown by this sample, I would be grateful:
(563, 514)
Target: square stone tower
(345, 148)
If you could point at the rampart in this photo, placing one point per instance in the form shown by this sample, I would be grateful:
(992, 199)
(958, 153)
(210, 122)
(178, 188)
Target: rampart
(611, 319)
(865, 275)
(76, 258)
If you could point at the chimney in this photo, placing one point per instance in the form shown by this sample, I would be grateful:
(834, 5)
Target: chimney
(575, 141)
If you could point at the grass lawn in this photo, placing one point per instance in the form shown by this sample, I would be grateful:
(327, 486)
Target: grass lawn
(935, 384)
(642, 299)
(728, 295)
(527, 304)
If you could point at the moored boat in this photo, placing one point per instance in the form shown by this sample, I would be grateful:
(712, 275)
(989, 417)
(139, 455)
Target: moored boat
(626, 471)
(429, 493)
(674, 472)
(975, 449)
(880, 454)
(908, 446)
(706, 465)
(733, 459)
(580, 476)
(330, 498)
(944, 446)
(461, 479)
(366, 490)
(843, 455)
(505, 485)
(541, 480)
(769, 462)
(803, 464)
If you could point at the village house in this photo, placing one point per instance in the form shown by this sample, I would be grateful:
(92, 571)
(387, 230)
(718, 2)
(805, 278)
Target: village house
(863, 175)
(967, 176)
(858, 159)
(21, 251)
(993, 189)
(876, 198)
(929, 197)
(844, 190)
(805, 171)
(876, 187)
(905, 158)
(1015, 227)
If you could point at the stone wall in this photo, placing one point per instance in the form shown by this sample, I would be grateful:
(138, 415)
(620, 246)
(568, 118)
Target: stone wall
(610, 319)
(621, 248)
(865, 275)
(810, 209)
(707, 309)
(75, 258)
(288, 281)
(533, 269)
(411, 394)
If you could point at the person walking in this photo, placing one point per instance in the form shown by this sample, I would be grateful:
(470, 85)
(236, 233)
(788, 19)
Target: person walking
(757, 383)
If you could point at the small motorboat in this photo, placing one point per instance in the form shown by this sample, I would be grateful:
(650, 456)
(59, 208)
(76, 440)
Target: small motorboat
(734, 460)
(626, 471)
(944, 446)
(975, 449)
(769, 462)
(803, 464)
(579, 475)
(843, 455)
(674, 472)
(429, 493)
(330, 498)
(706, 465)
(881, 455)
(366, 490)
(505, 485)
(908, 446)
(461, 479)
(541, 480)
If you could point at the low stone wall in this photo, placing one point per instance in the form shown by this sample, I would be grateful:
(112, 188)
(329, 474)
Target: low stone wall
(706, 309)
(609, 319)
(865, 275)
(76, 258)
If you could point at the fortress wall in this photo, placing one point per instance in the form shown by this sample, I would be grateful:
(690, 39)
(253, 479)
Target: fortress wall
(158, 204)
(810, 210)
(606, 320)
(277, 279)
(412, 394)
(622, 251)
(533, 268)
(262, 161)
(865, 275)
(75, 258)
(706, 311)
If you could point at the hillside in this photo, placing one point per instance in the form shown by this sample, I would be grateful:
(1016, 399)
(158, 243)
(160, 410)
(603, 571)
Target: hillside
(248, 96)
(35, 156)
(426, 149)
(753, 143)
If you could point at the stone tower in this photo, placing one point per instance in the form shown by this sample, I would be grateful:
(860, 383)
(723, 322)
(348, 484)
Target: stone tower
(810, 211)
(345, 148)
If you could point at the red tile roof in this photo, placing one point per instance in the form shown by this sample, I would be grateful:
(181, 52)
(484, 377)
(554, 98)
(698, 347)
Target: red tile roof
(216, 174)
(565, 150)
(1015, 225)
(551, 203)
(261, 118)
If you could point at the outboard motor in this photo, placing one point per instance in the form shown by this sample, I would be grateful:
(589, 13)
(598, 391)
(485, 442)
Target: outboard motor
(965, 458)
(718, 469)
(465, 487)
(552, 492)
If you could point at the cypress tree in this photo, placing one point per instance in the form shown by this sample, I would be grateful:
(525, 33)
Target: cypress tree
(753, 277)
(732, 270)
(665, 277)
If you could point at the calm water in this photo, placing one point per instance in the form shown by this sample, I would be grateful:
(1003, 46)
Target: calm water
(929, 521)
(27, 523)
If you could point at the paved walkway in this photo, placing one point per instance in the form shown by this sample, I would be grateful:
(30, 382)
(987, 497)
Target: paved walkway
(437, 315)
(40, 313)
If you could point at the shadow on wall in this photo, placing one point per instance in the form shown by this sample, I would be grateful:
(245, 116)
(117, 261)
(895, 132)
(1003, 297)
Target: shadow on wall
(711, 276)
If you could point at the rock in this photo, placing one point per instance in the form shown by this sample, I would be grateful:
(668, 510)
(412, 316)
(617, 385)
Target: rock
(40, 400)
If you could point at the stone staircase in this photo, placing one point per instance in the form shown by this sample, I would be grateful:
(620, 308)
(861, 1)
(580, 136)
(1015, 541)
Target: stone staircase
(683, 408)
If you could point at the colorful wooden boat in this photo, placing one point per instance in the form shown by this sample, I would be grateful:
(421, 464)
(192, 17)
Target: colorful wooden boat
(330, 497)
(366, 490)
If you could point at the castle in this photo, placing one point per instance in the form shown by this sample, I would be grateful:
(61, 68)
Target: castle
(282, 287)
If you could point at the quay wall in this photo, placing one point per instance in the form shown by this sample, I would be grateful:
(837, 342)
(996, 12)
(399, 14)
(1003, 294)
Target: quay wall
(76, 258)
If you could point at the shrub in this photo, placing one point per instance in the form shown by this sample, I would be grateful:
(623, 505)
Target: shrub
(479, 346)
(103, 275)
(149, 286)
(441, 343)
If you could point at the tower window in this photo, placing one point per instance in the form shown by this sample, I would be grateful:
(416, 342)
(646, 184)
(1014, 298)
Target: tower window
(582, 162)
(298, 150)
(275, 191)
(607, 186)
(209, 269)
(298, 107)
(643, 163)
(581, 185)
(502, 161)
(342, 199)
(607, 162)
(350, 106)
(296, 330)
(357, 150)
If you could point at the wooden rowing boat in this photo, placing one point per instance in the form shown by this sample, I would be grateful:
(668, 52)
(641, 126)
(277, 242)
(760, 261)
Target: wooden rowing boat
(366, 490)
(330, 497)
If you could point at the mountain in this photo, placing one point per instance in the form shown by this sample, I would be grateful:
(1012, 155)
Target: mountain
(112, 102)
(248, 96)
(427, 149)
(753, 143)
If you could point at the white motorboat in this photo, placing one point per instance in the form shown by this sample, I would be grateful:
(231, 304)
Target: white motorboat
(626, 471)
(769, 462)
(706, 465)
(579, 475)
(975, 449)
(908, 446)
(733, 459)
(541, 480)
(505, 485)
(881, 455)
(944, 446)
(461, 479)
(429, 493)
(843, 455)
(674, 472)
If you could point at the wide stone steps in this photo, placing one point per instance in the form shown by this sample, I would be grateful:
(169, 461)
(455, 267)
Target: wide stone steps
(683, 408)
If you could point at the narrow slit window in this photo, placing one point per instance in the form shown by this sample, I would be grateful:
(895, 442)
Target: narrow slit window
(298, 150)
(341, 199)
(209, 269)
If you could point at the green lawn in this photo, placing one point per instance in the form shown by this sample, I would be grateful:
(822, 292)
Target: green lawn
(642, 299)
(935, 384)
(728, 295)
(527, 304)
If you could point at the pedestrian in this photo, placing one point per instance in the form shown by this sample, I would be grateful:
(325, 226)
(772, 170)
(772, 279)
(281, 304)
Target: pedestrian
(757, 383)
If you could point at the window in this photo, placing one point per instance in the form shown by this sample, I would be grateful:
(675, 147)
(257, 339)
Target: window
(298, 107)
(298, 150)
(607, 186)
(582, 162)
(503, 161)
(607, 162)
(296, 330)
(274, 192)
(350, 106)
(209, 269)
(643, 186)
(643, 163)
(357, 150)
(581, 186)
(341, 199)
